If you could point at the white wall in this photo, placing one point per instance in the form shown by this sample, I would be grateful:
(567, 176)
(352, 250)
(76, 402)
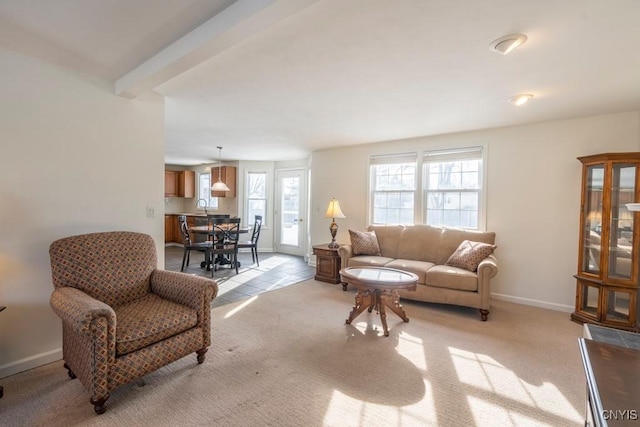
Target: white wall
(74, 158)
(533, 198)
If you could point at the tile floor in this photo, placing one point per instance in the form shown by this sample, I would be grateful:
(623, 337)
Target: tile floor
(275, 271)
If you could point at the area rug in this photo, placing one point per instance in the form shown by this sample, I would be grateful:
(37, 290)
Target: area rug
(287, 358)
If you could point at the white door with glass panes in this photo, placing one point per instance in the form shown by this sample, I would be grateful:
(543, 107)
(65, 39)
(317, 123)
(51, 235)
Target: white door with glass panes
(290, 211)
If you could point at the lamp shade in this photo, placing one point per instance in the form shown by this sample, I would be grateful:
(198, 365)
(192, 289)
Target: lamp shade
(220, 186)
(334, 211)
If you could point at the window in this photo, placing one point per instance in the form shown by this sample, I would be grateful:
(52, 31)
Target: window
(393, 184)
(204, 191)
(453, 187)
(256, 196)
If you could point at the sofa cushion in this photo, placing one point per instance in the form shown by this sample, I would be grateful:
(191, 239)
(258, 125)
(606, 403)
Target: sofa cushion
(369, 260)
(444, 276)
(138, 323)
(469, 254)
(364, 242)
(419, 268)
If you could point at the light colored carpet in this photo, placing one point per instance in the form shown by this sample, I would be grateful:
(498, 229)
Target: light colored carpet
(287, 358)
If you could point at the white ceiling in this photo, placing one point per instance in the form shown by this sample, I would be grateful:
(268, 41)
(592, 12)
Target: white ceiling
(277, 79)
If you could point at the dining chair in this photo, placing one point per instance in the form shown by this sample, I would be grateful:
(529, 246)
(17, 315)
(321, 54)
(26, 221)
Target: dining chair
(253, 243)
(190, 245)
(225, 244)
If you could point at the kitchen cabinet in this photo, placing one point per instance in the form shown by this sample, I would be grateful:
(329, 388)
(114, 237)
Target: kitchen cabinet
(608, 254)
(170, 183)
(186, 184)
(226, 174)
(179, 183)
(170, 228)
(172, 232)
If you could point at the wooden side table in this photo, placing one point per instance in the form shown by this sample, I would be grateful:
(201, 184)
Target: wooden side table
(327, 263)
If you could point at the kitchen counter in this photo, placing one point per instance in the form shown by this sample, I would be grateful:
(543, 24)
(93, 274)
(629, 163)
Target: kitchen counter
(187, 214)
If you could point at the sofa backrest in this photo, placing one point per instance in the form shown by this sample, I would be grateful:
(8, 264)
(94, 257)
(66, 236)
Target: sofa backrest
(388, 238)
(114, 267)
(452, 237)
(424, 242)
(421, 243)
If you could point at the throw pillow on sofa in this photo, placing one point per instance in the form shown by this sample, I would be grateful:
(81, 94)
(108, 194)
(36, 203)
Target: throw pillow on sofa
(364, 242)
(469, 255)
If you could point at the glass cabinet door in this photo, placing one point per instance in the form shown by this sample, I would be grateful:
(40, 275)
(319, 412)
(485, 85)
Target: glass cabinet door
(623, 190)
(588, 299)
(591, 233)
(619, 303)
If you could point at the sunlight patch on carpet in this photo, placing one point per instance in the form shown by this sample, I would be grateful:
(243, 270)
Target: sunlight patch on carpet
(485, 374)
(412, 348)
(348, 411)
(241, 307)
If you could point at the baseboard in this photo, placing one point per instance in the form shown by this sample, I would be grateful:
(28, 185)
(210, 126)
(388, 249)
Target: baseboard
(30, 362)
(534, 303)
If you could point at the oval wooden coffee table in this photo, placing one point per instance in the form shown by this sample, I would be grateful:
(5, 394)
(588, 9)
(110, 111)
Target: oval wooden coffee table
(378, 288)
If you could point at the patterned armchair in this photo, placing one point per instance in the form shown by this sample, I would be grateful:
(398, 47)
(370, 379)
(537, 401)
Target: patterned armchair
(122, 318)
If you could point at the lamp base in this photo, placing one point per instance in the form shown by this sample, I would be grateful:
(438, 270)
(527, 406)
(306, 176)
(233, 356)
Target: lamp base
(333, 228)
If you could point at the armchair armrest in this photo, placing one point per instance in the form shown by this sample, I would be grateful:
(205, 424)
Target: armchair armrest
(186, 289)
(79, 311)
(193, 291)
(89, 326)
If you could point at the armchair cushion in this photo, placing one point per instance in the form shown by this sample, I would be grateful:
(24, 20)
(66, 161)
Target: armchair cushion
(139, 324)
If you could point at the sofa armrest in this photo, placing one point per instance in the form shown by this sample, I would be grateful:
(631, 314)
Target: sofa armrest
(488, 266)
(80, 312)
(487, 269)
(345, 252)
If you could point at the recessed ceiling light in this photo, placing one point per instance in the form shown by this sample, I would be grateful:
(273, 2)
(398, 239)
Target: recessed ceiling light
(520, 99)
(506, 44)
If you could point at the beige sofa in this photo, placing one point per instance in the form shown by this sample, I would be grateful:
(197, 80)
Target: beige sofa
(424, 250)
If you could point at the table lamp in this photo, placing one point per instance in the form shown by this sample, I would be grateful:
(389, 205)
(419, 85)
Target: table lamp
(333, 212)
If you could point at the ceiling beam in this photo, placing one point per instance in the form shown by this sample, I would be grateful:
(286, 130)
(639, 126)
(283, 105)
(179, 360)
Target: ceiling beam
(238, 22)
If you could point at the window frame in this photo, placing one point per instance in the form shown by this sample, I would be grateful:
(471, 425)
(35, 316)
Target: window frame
(392, 159)
(248, 199)
(212, 202)
(421, 180)
(463, 153)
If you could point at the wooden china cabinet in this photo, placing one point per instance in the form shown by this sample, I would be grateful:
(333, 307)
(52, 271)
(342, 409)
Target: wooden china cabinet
(609, 242)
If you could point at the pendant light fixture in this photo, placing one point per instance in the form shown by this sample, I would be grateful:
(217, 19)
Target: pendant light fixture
(219, 185)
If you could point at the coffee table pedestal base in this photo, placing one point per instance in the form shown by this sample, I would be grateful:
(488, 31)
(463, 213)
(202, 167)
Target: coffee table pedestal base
(378, 299)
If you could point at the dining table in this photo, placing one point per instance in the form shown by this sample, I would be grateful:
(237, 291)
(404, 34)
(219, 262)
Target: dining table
(209, 231)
